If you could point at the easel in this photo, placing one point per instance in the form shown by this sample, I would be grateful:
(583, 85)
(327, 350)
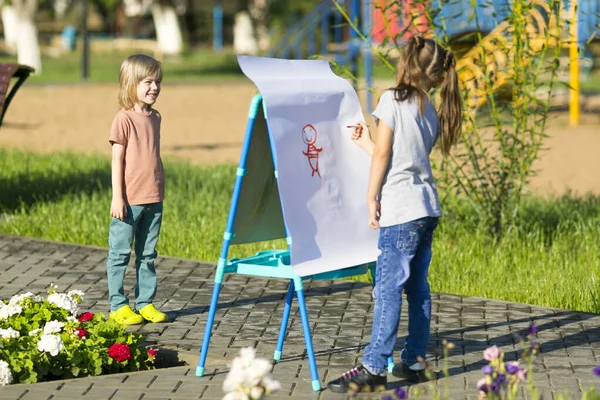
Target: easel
(260, 218)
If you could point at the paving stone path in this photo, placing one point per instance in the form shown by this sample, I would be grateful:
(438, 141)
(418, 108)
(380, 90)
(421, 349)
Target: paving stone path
(249, 314)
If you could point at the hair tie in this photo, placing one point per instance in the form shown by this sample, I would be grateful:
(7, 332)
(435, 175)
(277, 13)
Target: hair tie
(419, 42)
(449, 60)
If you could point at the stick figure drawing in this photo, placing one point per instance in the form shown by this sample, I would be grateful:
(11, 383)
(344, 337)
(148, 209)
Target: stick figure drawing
(309, 136)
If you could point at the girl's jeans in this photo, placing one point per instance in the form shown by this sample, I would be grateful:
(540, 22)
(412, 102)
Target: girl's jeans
(142, 223)
(401, 266)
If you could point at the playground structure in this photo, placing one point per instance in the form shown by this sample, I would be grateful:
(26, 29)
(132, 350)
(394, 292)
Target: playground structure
(377, 20)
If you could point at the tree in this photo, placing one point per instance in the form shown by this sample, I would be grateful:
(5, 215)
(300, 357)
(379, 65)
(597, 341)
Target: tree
(168, 31)
(9, 22)
(26, 34)
(250, 34)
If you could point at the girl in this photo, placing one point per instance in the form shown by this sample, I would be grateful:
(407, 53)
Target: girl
(138, 185)
(403, 204)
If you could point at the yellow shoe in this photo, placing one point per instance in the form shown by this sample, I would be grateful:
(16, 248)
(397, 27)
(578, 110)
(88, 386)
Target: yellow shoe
(151, 314)
(126, 316)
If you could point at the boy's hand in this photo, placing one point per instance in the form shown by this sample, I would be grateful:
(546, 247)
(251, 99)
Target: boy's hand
(118, 209)
(374, 213)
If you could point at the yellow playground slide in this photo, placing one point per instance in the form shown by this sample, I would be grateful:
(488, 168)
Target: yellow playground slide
(496, 50)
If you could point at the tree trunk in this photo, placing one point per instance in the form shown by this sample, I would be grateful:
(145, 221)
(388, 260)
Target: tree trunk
(259, 12)
(168, 31)
(108, 17)
(244, 41)
(190, 23)
(28, 45)
(9, 22)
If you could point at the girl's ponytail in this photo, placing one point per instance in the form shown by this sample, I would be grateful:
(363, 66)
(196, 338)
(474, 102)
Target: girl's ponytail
(409, 73)
(450, 110)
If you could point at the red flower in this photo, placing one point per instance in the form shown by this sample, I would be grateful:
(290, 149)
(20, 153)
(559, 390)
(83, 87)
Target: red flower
(119, 352)
(86, 316)
(81, 332)
(152, 352)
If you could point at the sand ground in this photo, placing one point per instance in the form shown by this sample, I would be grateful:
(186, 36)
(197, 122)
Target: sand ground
(205, 123)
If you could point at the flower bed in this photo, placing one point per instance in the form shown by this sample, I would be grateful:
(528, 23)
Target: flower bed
(46, 338)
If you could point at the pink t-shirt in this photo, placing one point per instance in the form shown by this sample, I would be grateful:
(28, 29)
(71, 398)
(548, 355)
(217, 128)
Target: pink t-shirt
(144, 177)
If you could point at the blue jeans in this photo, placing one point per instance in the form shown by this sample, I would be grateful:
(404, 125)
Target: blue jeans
(402, 266)
(142, 223)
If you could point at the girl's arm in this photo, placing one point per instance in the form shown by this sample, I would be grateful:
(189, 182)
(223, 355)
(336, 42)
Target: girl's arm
(362, 137)
(382, 149)
(118, 208)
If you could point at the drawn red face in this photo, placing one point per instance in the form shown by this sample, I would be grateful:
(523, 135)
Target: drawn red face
(309, 134)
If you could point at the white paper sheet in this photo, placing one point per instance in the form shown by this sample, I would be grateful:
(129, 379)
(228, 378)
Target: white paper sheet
(323, 175)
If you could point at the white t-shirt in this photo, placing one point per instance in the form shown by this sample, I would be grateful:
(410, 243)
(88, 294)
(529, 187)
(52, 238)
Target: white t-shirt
(408, 191)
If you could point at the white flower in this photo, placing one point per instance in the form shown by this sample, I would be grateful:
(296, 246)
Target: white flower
(9, 310)
(51, 344)
(271, 385)
(236, 396)
(71, 318)
(53, 288)
(9, 333)
(17, 299)
(247, 355)
(249, 376)
(6, 377)
(257, 371)
(256, 392)
(34, 332)
(76, 295)
(53, 327)
(235, 379)
(64, 301)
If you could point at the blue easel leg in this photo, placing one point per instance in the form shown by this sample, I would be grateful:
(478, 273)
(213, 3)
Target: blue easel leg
(312, 364)
(208, 329)
(284, 321)
(390, 361)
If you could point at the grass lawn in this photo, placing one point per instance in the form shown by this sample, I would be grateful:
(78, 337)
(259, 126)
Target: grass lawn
(550, 258)
(200, 65)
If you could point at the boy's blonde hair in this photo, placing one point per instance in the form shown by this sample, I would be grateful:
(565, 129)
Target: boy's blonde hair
(133, 70)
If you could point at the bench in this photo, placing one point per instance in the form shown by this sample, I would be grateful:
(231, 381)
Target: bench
(7, 72)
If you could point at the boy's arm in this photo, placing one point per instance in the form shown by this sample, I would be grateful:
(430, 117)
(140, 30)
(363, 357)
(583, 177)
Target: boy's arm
(117, 208)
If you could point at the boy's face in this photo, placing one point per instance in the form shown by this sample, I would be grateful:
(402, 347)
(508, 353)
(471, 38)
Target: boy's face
(148, 90)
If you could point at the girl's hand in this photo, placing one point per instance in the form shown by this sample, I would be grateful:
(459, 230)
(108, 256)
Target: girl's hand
(118, 209)
(362, 135)
(374, 213)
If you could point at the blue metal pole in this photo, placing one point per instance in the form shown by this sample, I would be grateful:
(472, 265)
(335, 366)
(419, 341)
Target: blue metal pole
(218, 27)
(311, 41)
(228, 235)
(367, 55)
(325, 33)
(284, 321)
(312, 364)
(337, 30)
(354, 49)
